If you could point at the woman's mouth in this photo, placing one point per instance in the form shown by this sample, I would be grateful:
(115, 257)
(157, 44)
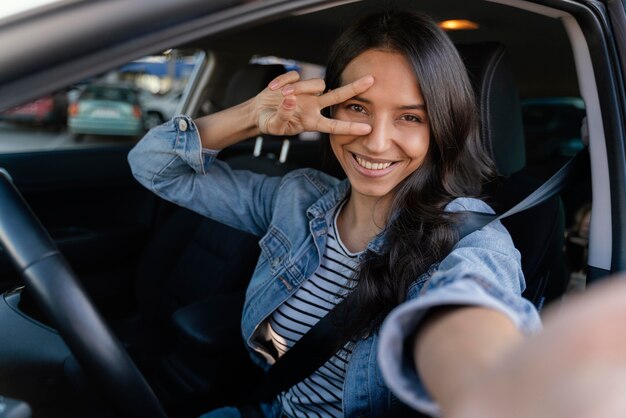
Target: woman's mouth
(371, 168)
(371, 165)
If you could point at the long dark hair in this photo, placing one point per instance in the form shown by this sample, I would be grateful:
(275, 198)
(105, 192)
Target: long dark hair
(419, 232)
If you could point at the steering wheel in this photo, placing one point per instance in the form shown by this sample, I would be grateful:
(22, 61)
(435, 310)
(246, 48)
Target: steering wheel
(60, 296)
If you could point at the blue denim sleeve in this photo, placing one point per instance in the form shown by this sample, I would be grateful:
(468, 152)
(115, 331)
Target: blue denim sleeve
(170, 161)
(483, 269)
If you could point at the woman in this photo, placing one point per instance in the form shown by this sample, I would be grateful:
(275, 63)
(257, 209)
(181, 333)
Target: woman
(402, 122)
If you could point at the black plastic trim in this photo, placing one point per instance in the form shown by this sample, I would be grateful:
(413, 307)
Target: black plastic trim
(617, 15)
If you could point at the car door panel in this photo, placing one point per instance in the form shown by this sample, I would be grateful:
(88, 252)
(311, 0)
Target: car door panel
(92, 207)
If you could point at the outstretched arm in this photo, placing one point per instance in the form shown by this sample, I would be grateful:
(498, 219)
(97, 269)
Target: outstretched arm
(459, 321)
(456, 345)
(287, 106)
(576, 367)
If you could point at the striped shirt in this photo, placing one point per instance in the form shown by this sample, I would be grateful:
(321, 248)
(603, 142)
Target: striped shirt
(319, 395)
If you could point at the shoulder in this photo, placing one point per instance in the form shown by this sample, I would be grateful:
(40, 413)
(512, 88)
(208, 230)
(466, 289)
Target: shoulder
(315, 179)
(462, 204)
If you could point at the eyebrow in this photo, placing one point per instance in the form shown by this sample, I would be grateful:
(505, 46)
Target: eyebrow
(418, 106)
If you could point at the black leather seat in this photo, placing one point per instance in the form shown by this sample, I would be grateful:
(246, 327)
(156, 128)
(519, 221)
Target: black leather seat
(191, 285)
(244, 84)
(190, 290)
(538, 232)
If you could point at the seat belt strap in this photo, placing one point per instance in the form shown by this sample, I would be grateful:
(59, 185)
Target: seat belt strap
(571, 172)
(306, 356)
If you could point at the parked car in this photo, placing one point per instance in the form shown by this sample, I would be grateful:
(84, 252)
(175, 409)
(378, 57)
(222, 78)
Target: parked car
(159, 108)
(49, 110)
(105, 109)
(107, 329)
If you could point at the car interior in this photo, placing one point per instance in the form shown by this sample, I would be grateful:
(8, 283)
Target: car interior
(159, 274)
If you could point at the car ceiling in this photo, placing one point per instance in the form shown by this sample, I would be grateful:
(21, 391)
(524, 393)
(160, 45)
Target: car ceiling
(539, 47)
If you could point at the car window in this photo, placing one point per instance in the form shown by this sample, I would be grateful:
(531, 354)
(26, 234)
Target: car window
(116, 107)
(553, 130)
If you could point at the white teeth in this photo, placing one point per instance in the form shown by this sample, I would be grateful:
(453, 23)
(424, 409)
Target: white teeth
(370, 165)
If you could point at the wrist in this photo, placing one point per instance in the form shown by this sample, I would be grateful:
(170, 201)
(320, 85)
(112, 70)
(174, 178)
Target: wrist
(252, 112)
(227, 127)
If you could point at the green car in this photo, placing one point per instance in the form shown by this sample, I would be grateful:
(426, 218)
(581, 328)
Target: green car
(104, 109)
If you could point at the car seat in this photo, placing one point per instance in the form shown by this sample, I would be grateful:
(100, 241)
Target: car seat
(261, 154)
(267, 154)
(538, 233)
(189, 260)
(192, 271)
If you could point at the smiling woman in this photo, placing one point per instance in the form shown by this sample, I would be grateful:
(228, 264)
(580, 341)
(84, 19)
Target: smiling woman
(169, 283)
(404, 128)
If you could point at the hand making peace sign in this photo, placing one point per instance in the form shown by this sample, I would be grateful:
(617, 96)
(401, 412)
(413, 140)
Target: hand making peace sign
(289, 106)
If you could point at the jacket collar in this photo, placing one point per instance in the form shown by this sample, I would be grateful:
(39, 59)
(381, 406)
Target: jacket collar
(330, 200)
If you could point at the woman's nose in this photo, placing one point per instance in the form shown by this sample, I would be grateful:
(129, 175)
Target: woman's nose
(379, 138)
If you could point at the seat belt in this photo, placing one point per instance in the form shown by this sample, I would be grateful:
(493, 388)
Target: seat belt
(307, 355)
(572, 171)
(322, 341)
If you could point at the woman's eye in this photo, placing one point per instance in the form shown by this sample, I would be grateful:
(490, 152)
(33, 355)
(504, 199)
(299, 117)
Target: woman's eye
(412, 118)
(356, 107)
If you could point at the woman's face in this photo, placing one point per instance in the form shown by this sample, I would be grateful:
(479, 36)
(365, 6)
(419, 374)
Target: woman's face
(376, 163)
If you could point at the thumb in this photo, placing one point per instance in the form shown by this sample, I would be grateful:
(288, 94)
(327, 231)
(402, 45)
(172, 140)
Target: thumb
(277, 123)
(287, 109)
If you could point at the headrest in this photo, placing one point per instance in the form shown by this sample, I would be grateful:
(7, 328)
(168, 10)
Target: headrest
(248, 81)
(500, 110)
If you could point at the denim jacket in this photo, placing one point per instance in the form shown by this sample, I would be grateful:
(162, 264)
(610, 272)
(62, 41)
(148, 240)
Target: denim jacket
(289, 213)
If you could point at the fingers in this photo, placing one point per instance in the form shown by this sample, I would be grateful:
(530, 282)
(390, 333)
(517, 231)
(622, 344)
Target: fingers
(343, 93)
(341, 127)
(276, 124)
(284, 79)
(285, 112)
(312, 86)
